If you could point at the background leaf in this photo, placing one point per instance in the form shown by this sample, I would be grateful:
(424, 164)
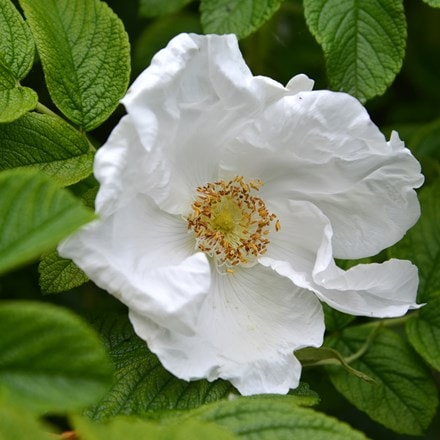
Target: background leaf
(50, 360)
(363, 42)
(141, 383)
(405, 397)
(16, 57)
(85, 54)
(47, 143)
(433, 3)
(35, 214)
(153, 8)
(59, 274)
(274, 417)
(237, 17)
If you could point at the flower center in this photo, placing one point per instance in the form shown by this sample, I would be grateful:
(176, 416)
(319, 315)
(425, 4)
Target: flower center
(230, 223)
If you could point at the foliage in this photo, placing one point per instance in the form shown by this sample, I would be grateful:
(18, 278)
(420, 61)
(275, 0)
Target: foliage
(64, 66)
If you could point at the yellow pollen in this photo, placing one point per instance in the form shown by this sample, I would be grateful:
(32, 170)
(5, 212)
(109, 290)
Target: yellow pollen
(230, 223)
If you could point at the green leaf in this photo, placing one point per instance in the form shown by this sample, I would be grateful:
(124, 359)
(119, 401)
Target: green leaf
(35, 214)
(50, 360)
(236, 17)
(433, 3)
(154, 8)
(274, 418)
(17, 424)
(59, 274)
(141, 384)
(16, 57)
(47, 143)
(405, 396)
(15, 102)
(335, 320)
(363, 42)
(424, 331)
(84, 50)
(136, 429)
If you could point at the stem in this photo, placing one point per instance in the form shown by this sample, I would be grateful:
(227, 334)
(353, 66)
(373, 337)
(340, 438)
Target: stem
(41, 108)
(390, 322)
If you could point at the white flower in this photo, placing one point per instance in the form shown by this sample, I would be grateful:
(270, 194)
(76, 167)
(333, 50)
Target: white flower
(224, 200)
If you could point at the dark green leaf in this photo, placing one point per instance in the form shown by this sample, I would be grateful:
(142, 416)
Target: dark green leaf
(274, 418)
(404, 397)
(85, 54)
(363, 42)
(236, 17)
(136, 429)
(59, 274)
(17, 424)
(141, 383)
(35, 214)
(335, 320)
(154, 8)
(50, 360)
(47, 143)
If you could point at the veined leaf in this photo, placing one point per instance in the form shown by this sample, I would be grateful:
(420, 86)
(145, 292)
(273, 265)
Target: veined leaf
(237, 17)
(84, 50)
(404, 397)
(141, 383)
(35, 214)
(47, 143)
(17, 51)
(363, 42)
(50, 360)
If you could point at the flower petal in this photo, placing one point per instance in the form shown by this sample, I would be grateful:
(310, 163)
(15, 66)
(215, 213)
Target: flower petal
(322, 146)
(146, 259)
(248, 327)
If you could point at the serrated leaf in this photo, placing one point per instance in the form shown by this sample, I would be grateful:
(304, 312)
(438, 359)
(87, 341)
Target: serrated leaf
(141, 384)
(16, 57)
(404, 398)
(136, 429)
(17, 424)
(363, 42)
(154, 8)
(47, 143)
(59, 274)
(50, 360)
(84, 50)
(424, 331)
(35, 214)
(15, 102)
(274, 417)
(236, 17)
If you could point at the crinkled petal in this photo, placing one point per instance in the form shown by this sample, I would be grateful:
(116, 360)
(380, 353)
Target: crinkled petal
(249, 325)
(322, 147)
(146, 259)
(302, 251)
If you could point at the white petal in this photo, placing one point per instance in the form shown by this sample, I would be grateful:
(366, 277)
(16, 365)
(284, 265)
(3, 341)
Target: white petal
(146, 259)
(322, 146)
(248, 327)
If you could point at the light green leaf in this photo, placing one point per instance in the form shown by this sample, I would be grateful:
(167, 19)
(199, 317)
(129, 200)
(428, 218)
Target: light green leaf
(274, 418)
(141, 384)
(47, 143)
(363, 42)
(35, 214)
(17, 46)
(15, 102)
(154, 8)
(17, 424)
(236, 17)
(16, 57)
(50, 360)
(136, 429)
(59, 274)
(84, 50)
(405, 396)
(433, 3)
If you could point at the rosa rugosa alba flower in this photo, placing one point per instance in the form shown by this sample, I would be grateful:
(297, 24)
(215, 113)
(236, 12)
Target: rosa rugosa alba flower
(224, 200)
